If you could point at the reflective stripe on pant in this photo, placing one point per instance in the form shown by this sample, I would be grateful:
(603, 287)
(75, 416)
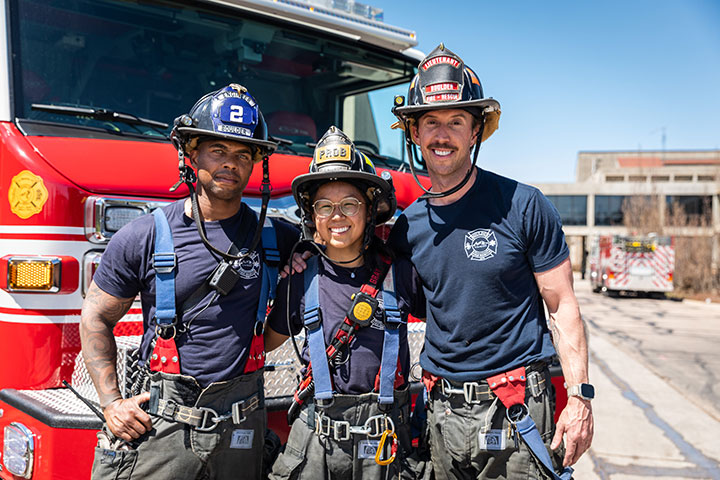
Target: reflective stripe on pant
(309, 456)
(459, 451)
(175, 451)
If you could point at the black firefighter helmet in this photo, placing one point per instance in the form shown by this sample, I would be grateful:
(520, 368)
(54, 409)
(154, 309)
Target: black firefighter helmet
(336, 159)
(444, 81)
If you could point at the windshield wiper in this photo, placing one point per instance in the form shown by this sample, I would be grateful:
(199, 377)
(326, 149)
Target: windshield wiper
(102, 114)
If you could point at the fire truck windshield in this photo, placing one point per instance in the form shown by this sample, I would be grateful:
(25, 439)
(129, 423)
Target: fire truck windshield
(153, 59)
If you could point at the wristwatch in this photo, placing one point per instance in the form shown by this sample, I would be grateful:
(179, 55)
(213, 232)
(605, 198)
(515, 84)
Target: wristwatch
(582, 390)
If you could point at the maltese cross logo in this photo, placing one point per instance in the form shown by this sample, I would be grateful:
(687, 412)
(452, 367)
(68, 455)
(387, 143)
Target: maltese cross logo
(480, 244)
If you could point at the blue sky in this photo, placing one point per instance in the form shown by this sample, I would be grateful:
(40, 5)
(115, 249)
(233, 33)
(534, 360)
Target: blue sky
(581, 75)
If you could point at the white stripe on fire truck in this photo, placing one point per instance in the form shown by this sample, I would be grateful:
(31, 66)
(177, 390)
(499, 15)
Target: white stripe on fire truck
(43, 229)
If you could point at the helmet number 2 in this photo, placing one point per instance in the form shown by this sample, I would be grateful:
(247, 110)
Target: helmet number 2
(236, 113)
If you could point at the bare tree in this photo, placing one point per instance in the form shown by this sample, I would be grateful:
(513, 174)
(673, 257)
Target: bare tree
(694, 272)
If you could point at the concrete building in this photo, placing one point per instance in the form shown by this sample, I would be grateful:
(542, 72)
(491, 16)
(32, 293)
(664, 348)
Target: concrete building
(593, 204)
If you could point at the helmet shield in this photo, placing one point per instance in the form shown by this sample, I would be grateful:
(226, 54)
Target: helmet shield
(230, 113)
(336, 159)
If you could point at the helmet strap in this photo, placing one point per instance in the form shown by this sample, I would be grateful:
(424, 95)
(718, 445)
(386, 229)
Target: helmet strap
(412, 156)
(186, 173)
(266, 189)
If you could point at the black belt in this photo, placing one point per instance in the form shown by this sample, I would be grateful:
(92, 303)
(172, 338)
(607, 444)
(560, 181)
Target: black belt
(478, 392)
(205, 419)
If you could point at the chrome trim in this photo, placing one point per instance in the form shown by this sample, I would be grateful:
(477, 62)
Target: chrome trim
(30, 455)
(56, 280)
(87, 275)
(95, 208)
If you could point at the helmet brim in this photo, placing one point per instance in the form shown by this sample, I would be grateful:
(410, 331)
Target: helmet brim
(482, 103)
(270, 147)
(386, 206)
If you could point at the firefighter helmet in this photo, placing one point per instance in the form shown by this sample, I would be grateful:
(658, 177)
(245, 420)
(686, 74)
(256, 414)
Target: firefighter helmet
(443, 81)
(336, 159)
(230, 113)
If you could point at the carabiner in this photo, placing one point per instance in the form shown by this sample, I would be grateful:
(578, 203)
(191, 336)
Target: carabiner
(381, 446)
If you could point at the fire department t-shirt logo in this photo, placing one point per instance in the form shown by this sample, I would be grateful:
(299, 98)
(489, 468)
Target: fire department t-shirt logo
(480, 244)
(249, 267)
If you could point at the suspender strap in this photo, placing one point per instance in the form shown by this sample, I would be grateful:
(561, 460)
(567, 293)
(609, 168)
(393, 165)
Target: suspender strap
(315, 337)
(256, 354)
(270, 269)
(164, 262)
(391, 341)
(509, 387)
(529, 433)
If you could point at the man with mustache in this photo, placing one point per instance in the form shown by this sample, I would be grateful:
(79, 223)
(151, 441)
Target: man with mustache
(489, 251)
(204, 279)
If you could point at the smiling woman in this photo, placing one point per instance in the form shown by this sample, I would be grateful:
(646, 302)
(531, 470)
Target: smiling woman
(355, 299)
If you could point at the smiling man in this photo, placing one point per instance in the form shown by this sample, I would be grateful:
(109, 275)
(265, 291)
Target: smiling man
(201, 278)
(489, 251)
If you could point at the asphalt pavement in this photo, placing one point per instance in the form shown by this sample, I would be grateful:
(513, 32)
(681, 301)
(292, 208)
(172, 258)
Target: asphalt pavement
(652, 419)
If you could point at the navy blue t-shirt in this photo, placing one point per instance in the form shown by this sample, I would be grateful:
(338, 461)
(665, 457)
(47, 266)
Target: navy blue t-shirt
(215, 348)
(476, 258)
(335, 287)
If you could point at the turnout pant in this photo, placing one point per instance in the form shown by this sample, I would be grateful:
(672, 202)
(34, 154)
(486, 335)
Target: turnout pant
(321, 445)
(473, 440)
(176, 451)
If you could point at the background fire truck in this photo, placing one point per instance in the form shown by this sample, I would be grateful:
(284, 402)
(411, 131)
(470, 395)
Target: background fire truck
(85, 87)
(632, 264)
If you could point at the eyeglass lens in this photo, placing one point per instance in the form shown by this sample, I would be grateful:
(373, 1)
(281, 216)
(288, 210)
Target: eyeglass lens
(348, 206)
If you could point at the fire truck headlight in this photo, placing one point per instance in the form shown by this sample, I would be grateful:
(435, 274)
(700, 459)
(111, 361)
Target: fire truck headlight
(18, 450)
(118, 217)
(33, 274)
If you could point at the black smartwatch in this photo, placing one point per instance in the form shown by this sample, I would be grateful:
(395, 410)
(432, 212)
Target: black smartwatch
(582, 390)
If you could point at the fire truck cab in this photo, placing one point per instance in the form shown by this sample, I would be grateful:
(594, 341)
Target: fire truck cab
(87, 89)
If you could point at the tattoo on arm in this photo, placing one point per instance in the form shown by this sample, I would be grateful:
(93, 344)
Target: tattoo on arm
(100, 312)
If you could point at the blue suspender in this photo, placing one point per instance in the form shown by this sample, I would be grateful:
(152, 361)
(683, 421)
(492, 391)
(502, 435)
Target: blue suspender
(269, 269)
(164, 262)
(315, 337)
(530, 435)
(391, 340)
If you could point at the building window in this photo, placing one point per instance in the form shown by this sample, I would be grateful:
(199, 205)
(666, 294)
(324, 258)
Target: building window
(706, 178)
(572, 208)
(683, 178)
(614, 178)
(660, 178)
(608, 209)
(637, 178)
(689, 210)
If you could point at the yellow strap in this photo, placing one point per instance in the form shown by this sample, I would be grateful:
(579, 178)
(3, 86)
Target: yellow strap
(381, 445)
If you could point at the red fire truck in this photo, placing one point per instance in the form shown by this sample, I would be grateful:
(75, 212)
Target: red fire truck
(85, 87)
(632, 264)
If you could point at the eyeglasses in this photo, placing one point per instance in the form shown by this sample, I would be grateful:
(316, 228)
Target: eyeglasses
(349, 207)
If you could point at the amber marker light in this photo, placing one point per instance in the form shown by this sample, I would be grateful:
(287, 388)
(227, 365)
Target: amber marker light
(38, 274)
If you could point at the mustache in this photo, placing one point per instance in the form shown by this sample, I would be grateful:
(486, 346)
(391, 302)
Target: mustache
(441, 146)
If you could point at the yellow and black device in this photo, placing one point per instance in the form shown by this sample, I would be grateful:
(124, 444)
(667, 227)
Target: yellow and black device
(362, 309)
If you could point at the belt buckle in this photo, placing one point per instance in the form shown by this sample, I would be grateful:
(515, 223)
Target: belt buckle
(469, 391)
(374, 422)
(208, 423)
(238, 408)
(169, 410)
(345, 427)
(322, 426)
